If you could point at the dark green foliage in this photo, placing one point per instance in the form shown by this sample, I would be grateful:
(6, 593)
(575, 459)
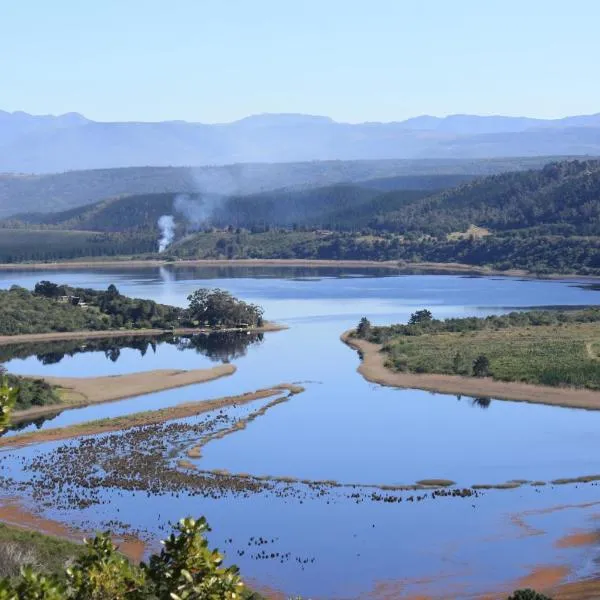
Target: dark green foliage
(186, 569)
(364, 328)
(63, 191)
(218, 308)
(565, 194)
(82, 309)
(31, 392)
(421, 317)
(21, 245)
(481, 366)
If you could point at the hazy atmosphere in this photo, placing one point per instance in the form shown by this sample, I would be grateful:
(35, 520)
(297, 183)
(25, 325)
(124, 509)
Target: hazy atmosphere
(214, 62)
(299, 300)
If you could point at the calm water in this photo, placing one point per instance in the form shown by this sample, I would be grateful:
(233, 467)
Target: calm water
(346, 429)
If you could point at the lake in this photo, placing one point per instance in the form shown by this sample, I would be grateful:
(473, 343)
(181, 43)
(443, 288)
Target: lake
(337, 542)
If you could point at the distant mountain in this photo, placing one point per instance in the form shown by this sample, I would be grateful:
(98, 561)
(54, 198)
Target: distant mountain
(63, 191)
(44, 144)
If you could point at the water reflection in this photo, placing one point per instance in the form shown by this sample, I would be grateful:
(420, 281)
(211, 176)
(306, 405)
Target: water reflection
(218, 347)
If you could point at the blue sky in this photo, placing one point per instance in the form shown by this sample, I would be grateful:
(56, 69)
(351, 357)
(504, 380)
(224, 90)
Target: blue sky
(368, 60)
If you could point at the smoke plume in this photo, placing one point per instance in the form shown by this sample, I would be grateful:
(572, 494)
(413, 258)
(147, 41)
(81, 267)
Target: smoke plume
(196, 211)
(166, 224)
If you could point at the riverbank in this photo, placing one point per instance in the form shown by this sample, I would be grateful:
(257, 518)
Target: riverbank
(77, 392)
(52, 542)
(22, 338)
(150, 417)
(373, 369)
(402, 267)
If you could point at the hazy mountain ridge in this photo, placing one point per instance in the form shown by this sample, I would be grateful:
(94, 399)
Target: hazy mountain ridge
(62, 191)
(45, 144)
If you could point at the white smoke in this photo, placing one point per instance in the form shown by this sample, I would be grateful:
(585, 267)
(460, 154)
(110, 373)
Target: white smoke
(166, 224)
(196, 211)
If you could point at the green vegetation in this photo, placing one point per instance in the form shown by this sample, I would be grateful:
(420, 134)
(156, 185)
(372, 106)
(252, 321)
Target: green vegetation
(51, 307)
(21, 245)
(186, 568)
(63, 191)
(218, 308)
(28, 392)
(19, 547)
(543, 347)
(542, 221)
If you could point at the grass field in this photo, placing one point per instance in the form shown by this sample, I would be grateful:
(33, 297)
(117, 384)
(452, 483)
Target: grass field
(21, 546)
(562, 354)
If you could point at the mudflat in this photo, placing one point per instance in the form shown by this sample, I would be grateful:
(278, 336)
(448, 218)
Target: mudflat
(373, 369)
(150, 417)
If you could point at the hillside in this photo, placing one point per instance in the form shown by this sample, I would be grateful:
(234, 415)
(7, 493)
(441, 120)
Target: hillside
(541, 221)
(560, 198)
(62, 191)
(335, 206)
(46, 144)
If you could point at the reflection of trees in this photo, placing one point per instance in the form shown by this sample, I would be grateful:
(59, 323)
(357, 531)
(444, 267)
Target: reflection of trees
(218, 346)
(222, 346)
(49, 353)
(37, 422)
(482, 402)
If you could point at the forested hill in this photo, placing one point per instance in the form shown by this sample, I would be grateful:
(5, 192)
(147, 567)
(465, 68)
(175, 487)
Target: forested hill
(336, 206)
(563, 197)
(63, 191)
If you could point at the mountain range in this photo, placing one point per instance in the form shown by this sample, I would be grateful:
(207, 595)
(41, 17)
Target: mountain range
(48, 144)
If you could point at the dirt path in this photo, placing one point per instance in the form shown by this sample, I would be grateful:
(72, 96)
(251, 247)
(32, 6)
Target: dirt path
(77, 392)
(373, 369)
(85, 335)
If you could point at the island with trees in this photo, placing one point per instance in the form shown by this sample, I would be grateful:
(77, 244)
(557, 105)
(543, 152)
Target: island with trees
(54, 308)
(546, 356)
(63, 313)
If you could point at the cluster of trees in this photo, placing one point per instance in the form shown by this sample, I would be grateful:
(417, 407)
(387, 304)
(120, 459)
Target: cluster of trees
(26, 245)
(29, 391)
(52, 307)
(422, 322)
(218, 308)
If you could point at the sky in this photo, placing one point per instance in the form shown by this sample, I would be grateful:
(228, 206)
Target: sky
(217, 61)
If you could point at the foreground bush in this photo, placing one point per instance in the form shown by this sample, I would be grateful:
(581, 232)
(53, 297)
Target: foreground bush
(185, 569)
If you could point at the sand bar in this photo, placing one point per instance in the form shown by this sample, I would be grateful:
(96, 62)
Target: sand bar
(77, 392)
(150, 417)
(373, 369)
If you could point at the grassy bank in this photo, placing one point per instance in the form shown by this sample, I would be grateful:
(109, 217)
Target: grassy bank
(19, 546)
(549, 347)
(556, 355)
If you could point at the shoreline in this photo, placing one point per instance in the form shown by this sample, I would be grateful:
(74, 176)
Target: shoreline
(400, 266)
(79, 392)
(372, 368)
(14, 514)
(23, 338)
(143, 418)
